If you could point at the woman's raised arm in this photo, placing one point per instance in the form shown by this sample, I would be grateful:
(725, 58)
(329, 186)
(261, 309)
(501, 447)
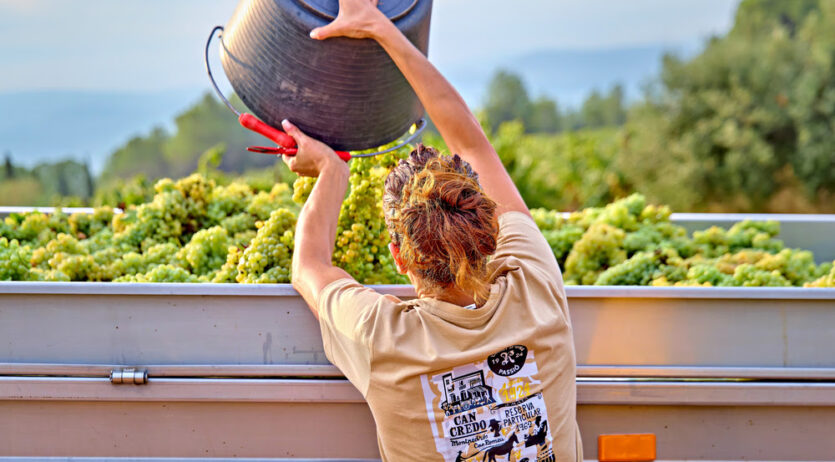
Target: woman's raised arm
(459, 128)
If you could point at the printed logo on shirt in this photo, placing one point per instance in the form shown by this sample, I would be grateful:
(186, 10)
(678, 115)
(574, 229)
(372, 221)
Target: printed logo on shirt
(490, 410)
(508, 361)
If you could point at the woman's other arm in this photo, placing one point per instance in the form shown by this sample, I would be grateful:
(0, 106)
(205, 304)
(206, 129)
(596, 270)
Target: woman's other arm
(312, 268)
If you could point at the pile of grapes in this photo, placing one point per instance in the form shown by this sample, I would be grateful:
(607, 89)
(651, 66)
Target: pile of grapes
(196, 230)
(631, 243)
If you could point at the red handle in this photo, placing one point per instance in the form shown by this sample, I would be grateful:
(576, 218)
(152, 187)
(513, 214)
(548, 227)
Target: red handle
(344, 155)
(279, 137)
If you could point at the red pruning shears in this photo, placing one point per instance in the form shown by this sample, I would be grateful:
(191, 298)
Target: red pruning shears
(286, 143)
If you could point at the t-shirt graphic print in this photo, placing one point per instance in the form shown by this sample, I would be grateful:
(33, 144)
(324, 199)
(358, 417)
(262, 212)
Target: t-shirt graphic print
(490, 410)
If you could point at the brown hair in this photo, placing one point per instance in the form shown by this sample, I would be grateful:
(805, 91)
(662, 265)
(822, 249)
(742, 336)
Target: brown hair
(443, 223)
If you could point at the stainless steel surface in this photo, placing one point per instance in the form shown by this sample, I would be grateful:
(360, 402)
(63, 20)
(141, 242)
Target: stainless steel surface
(589, 391)
(180, 390)
(158, 371)
(727, 374)
(706, 373)
(252, 419)
(679, 393)
(187, 429)
(405, 291)
(329, 371)
(718, 432)
(145, 324)
(709, 332)
(176, 459)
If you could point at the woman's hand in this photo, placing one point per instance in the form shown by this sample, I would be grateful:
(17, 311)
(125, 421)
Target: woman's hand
(356, 19)
(313, 156)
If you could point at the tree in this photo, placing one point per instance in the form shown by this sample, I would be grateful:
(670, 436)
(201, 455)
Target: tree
(544, 117)
(747, 120)
(9, 167)
(507, 99)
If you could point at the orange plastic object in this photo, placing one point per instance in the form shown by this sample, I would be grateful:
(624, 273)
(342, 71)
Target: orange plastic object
(626, 448)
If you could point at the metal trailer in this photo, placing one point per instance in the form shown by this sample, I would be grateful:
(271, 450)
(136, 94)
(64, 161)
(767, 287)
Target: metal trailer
(203, 371)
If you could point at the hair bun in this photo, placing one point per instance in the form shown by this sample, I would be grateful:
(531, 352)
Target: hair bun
(444, 224)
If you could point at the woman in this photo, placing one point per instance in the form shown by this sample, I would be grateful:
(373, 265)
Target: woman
(482, 362)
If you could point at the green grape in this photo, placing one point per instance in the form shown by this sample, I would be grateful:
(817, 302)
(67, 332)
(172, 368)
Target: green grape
(34, 228)
(644, 267)
(132, 263)
(228, 200)
(14, 260)
(747, 275)
(83, 225)
(163, 219)
(599, 248)
(562, 240)
(711, 242)
(262, 204)
(229, 271)
(161, 273)
(362, 237)
(623, 213)
(238, 223)
(755, 235)
(798, 266)
(194, 230)
(547, 220)
(826, 279)
(302, 188)
(206, 251)
(267, 259)
(704, 274)
(48, 275)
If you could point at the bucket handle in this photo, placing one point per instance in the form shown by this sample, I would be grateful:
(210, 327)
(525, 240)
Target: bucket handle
(276, 135)
(209, 70)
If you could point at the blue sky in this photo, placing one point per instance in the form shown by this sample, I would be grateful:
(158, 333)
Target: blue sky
(155, 45)
(122, 67)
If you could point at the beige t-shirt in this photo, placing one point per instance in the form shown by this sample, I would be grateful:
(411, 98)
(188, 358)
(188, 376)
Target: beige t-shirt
(449, 383)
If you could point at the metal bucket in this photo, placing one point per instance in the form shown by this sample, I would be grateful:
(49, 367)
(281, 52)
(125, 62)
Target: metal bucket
(345, 92)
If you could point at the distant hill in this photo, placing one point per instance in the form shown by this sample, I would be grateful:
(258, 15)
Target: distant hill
(567, 75)
(51, 125)
(45, 126)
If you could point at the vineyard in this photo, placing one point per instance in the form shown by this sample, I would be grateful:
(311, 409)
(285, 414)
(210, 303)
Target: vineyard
(199, 229)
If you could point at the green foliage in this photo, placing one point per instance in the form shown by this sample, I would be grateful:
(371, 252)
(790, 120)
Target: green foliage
(508, 100)
(748, 122)
(200, 130)
(564, 172)
(67, 183)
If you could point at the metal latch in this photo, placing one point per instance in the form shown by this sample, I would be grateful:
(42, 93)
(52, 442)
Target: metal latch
(129, 375)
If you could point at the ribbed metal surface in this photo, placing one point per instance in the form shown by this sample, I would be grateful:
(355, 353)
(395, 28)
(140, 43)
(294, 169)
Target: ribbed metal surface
(347, 93)
(407, 291)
